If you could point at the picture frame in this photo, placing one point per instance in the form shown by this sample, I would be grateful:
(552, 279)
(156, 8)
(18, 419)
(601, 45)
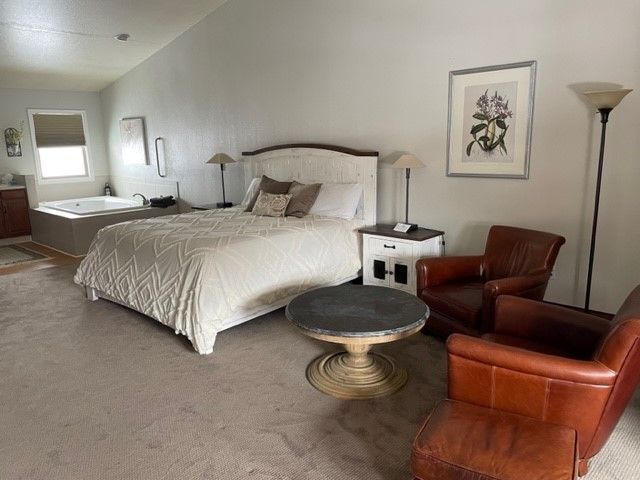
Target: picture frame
(12, 139)
(134, 141)
(490, 121)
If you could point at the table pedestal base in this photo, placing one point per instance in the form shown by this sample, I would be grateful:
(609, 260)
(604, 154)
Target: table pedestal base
(356, 373)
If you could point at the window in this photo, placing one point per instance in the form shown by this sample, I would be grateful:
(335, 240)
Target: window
(60, 145)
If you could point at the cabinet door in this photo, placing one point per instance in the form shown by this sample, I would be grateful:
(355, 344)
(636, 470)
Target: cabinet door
(3, 232)
(379, 271)
(16, 214)
(401, 274)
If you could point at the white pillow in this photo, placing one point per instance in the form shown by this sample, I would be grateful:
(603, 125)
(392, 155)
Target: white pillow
(337, 200)
(251, 191)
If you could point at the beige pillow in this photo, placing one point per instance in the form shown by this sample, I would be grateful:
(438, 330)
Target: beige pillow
(271, 204)
(303, 198)
(268, 185)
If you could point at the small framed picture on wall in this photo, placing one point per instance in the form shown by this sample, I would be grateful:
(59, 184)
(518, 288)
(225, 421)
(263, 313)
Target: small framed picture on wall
(134, 141)
(490, 119)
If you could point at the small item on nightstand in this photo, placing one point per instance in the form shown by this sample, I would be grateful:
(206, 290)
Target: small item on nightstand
(107, 190)
(205, 206)
(405, 227)
(162, 202)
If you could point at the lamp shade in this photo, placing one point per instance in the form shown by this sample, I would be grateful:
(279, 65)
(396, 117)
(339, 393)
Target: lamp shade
(220, 159)
(606, 98)
(407, 160)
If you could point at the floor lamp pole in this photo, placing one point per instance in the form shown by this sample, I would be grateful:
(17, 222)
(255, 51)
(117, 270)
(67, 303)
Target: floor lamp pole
(604, 118)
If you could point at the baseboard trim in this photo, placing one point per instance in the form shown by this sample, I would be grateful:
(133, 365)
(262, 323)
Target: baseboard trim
(597, 313)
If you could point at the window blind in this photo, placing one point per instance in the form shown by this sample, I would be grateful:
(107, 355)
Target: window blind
(58, 130)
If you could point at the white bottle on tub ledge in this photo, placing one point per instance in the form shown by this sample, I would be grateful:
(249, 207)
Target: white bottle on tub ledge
(107, 190)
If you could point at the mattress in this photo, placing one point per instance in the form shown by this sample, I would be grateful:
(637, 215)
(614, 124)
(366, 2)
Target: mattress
(202, 272)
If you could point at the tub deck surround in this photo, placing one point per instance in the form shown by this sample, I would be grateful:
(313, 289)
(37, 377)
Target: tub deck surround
(72, 233)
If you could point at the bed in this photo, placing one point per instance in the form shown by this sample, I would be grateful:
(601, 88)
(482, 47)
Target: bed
(203, 272)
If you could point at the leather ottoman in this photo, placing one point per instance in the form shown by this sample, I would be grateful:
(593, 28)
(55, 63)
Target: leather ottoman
(459, 441)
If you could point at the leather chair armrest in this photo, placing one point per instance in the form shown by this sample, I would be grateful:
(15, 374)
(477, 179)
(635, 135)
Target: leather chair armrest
(532, 285)
(438, 270)
(528, 362)
(515, 285)
(570, 330)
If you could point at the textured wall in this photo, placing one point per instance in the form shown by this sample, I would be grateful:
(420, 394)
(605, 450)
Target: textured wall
(373, 74)
(13, 109)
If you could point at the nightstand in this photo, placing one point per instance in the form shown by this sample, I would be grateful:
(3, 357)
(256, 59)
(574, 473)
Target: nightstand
(389, 257)
(206, 206)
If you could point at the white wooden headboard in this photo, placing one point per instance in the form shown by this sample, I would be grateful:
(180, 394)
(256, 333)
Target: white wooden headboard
(308, 163)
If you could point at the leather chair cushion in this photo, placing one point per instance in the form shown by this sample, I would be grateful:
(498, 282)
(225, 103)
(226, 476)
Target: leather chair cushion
(460, 441)
(462, 301)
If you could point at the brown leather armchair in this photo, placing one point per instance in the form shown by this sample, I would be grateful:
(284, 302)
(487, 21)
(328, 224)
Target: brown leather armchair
(553, 364)
(461, 291)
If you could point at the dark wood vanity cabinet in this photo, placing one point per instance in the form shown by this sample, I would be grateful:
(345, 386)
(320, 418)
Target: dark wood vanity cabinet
(14, 213)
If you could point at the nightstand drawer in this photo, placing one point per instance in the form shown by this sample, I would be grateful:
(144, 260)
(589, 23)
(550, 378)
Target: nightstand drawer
(390, 247)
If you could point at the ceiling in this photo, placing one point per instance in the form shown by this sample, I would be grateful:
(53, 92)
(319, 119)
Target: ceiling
(69, 44)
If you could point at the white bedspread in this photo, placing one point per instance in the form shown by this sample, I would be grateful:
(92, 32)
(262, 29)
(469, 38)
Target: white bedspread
(202, 272)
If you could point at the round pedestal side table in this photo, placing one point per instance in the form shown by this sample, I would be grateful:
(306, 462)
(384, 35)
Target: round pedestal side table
(357, 317)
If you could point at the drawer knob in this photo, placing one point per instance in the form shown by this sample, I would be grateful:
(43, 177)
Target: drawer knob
(389, 246)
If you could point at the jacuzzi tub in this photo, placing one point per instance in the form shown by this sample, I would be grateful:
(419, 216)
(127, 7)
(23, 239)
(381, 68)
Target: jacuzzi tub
(94, 205)
(70, 225)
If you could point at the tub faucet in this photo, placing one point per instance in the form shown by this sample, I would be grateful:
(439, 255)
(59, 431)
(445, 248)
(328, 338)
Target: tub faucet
(144, 199)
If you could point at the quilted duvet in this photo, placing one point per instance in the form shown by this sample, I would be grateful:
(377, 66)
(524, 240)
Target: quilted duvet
(202, 272)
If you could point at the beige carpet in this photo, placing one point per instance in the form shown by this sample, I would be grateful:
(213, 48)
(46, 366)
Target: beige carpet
(95, 391)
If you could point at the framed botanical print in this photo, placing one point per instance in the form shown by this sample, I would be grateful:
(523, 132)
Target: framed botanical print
(490, 118)
(134, 142)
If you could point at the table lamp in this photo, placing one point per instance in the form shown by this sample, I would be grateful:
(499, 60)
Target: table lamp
(222, 159)
(604, 101)
(407, 161)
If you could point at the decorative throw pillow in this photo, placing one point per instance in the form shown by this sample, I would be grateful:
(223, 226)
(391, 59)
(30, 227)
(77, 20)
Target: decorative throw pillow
(271, 204)
(302, 198)
(268, 185)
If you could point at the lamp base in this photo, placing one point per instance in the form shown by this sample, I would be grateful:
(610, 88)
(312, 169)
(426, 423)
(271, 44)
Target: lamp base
(224, 204)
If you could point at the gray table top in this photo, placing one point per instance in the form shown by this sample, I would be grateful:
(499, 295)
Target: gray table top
(357, 311)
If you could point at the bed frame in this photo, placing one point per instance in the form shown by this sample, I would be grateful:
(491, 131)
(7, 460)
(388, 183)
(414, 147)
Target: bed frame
(306, 163)
(314, 162)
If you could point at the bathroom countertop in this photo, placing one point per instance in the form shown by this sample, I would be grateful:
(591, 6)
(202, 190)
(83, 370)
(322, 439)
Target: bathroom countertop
(12, 187)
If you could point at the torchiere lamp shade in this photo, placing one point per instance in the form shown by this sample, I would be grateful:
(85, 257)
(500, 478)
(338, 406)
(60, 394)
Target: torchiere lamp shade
(606, 98)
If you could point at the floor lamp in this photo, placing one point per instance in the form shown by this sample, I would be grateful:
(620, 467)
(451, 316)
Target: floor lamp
(604, 101)
(222, 159)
